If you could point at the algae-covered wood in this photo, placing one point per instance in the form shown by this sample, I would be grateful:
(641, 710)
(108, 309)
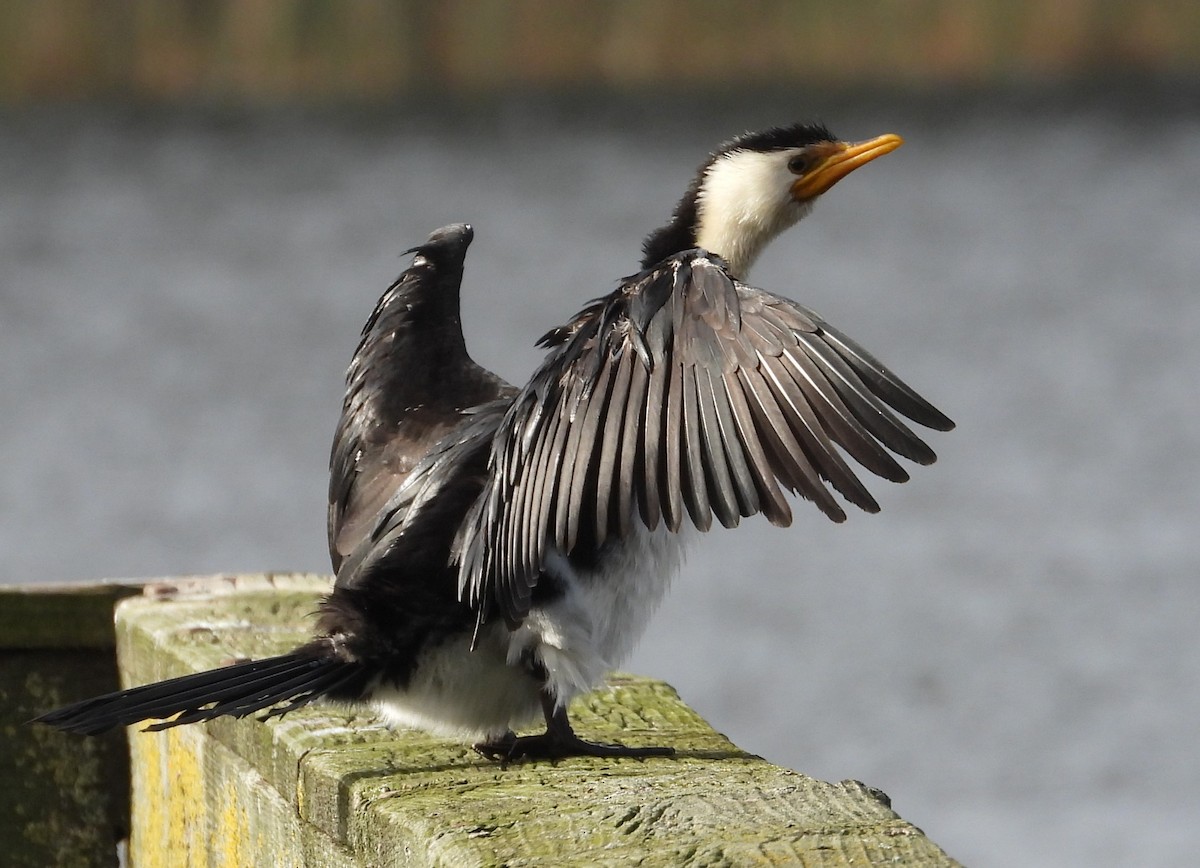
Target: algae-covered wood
(60, 616)
(63, 800)
(322, 784)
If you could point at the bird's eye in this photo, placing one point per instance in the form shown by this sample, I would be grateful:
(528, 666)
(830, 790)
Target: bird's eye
(798, 164)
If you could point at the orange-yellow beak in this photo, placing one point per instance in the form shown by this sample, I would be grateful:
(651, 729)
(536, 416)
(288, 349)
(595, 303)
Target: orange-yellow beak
(836, 160)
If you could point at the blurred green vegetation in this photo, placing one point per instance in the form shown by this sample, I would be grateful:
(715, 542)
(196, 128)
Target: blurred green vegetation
(368, 50)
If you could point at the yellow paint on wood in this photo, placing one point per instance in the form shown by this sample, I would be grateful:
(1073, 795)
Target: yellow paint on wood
(169, 811)
(184, 780)
(149, 804)
(232, 827)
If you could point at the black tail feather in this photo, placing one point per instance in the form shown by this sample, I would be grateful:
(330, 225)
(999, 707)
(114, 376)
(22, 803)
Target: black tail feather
(198, 689)
(238, 690)
(332, 686)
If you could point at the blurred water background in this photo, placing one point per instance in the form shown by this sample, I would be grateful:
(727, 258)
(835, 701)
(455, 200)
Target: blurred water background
(1009, 649)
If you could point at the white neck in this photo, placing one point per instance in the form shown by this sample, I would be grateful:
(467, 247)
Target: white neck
(743, 204)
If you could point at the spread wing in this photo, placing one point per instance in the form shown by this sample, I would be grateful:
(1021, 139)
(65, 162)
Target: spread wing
(684, 393)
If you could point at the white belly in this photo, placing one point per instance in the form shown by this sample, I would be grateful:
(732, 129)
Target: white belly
(457, 692)
(577, 638)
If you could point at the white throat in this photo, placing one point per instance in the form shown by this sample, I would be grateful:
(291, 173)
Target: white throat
(743, 204)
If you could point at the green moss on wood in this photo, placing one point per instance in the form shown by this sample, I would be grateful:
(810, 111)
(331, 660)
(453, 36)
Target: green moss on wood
(64, 800)
(60, 616)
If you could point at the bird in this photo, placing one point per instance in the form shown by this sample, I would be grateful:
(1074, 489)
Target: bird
(520, 550)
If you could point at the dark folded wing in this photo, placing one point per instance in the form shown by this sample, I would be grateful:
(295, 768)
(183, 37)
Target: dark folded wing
(431, 501)
(685, 392)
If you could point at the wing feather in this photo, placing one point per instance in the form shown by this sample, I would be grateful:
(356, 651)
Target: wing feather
(570, 458)
(582, 470)
(653, 451)
(694, 456)
(672, 437)
(886, 384)
(868, 408)
(745, 485)
(822, 462)
(840, 422)
(774, 505)
(724, 496)
(631, 448)
(614, 424)
(547, 461)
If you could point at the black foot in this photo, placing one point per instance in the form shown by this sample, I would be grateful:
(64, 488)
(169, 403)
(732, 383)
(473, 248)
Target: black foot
(496, 749)
(558, 741)
(550, 745)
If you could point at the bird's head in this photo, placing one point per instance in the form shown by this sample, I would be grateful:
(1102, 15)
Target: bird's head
(753, 187)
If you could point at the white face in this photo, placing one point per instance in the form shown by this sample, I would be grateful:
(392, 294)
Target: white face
(744, 202)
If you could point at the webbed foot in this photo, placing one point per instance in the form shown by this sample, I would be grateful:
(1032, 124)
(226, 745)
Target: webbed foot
(558, 741)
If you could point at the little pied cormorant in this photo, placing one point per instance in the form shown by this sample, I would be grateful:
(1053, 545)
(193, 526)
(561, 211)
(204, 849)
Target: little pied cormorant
(499, 550)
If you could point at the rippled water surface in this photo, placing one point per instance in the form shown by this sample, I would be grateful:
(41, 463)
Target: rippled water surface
(1009, 649)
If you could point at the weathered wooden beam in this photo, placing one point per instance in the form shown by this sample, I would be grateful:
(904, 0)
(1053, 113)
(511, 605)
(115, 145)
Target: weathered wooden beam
(324, 787)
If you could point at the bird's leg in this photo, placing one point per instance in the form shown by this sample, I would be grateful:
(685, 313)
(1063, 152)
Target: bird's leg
(559, 740)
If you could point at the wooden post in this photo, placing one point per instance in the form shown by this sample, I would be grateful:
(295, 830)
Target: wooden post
(63, 800)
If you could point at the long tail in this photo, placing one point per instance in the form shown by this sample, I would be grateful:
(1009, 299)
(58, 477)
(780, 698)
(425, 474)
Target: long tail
(296, 678)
